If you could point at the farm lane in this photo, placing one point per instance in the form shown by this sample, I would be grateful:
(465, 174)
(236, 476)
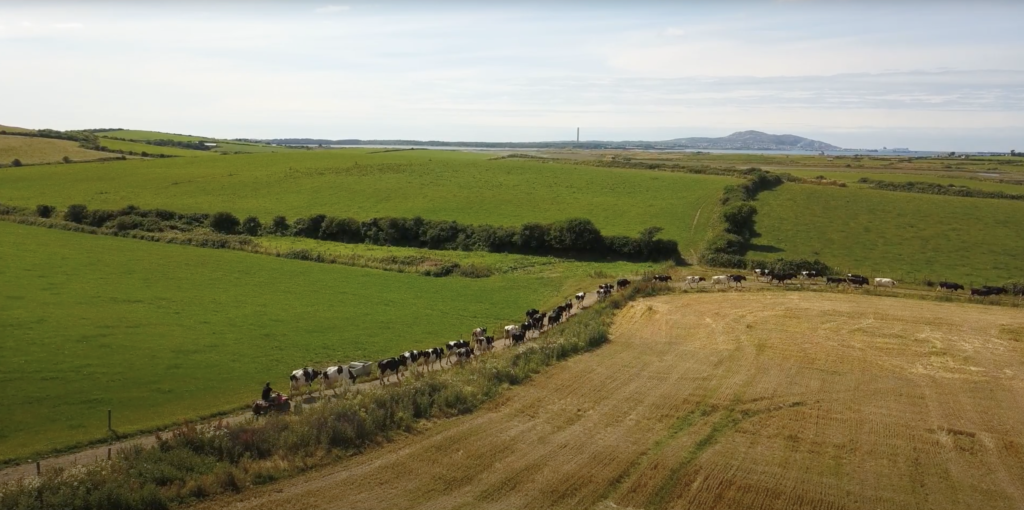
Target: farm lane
(97, 453)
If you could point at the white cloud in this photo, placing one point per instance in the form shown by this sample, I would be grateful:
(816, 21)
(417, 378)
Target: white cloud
(67, 25)
(331, 9)
(674, 32)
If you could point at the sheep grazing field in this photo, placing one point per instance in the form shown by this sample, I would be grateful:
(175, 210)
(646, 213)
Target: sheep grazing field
(755, 401)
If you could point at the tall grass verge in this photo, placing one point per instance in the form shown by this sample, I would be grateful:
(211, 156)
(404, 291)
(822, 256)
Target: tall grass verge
(192, 463)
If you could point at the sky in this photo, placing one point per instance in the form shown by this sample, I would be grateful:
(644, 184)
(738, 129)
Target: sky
(924, 75)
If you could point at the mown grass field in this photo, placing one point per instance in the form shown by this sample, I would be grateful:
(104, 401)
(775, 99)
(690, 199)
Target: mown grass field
(746, 401)
(900, 235)
(32, 150)
(152, 149)
(466, 187)
(161, 332)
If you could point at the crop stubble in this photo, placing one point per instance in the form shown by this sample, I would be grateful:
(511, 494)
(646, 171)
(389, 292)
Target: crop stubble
(730, 401)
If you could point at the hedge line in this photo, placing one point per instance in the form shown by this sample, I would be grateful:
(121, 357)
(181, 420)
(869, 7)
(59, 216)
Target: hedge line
(571, 238)
(193, 463)
(932, 188)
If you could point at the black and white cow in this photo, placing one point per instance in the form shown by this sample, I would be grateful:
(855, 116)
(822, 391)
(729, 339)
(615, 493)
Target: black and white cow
(531, 312)
(694, 280)
(950, 286)
(662, 278)
(622, 283)
(336, 376)
(857, 280)
(603, 293)
(303, 377)
(464, 354)
(531, 325)
(478, 333)
(484, 344)
(580, 296)
(389, 366)
(453, 346)
(810, 275)
(411, 358)
(431, 356)
(511, 328)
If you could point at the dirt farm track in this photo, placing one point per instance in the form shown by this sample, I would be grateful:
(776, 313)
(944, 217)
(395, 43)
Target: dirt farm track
(746, 401)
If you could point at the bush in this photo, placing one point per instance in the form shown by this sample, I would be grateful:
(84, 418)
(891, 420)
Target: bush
(45, 211)
(224, 223)
(251, 226)
(75, 213)
(279, 226)
(66, 159)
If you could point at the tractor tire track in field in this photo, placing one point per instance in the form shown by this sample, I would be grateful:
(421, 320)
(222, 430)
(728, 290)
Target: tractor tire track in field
(97, 453)
(726, 400)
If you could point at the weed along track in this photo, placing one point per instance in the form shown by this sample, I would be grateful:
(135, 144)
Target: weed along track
(752, 401)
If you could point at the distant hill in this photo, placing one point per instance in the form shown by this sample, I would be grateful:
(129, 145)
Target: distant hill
(742, 140)
(753, 140)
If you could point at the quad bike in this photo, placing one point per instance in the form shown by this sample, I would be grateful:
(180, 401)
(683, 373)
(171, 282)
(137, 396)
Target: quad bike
(278, 404)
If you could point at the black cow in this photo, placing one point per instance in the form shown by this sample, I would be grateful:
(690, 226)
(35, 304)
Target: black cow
(995, 291)
(738, 279)
(857, 280)
(782, 277)
(950, 286)
(568, 307)
(518, 337)
(838, 280)
(538, 323)
(622, 283)
(663, 278)
(464, 353)
(982, 292)
(531, 312)
(386, 366)
(527, 326)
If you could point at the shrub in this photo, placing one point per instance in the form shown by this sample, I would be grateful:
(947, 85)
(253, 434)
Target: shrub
(16, 162)
(251, 226)
(224, 223)
(279, 226)
(66, 159)
(75, 213)
(45, 211)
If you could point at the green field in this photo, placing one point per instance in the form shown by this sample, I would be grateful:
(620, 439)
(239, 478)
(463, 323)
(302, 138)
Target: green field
(433, 184)
(900, 235)
(163, 332)
(152, 149)
(33, 151)
(851, 179)
(223, 146)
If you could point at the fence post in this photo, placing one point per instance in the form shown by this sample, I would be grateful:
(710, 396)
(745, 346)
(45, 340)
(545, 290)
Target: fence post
(109, 427)
(108, 453)
(39, 469)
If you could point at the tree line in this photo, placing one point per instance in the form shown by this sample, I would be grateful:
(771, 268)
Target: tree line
(571, 238)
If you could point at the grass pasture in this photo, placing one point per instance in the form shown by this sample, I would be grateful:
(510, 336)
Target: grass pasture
(112, 144)
(223, 146)
(850, 178)
(459, 186)
(32, 150)
(163, 332)
(901, 235)
(752, 401)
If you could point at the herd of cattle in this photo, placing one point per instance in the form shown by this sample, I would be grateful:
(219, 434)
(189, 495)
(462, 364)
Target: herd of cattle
(461, 350)
(536, 321)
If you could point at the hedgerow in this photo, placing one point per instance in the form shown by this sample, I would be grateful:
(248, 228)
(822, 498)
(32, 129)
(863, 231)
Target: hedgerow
(933, 188)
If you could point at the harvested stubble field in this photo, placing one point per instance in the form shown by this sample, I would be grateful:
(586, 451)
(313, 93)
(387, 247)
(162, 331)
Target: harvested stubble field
(745, 401)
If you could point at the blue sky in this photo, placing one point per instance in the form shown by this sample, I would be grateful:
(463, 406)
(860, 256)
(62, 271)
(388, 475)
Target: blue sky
(925, 75)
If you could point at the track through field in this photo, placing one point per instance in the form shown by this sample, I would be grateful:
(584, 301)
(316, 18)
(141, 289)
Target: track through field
(728, 400)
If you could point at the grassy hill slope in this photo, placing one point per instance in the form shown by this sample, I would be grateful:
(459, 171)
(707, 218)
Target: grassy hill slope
(433, 184)
(152, 149)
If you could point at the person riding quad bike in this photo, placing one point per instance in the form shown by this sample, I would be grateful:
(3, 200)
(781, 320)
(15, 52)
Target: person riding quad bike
(268, 393)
